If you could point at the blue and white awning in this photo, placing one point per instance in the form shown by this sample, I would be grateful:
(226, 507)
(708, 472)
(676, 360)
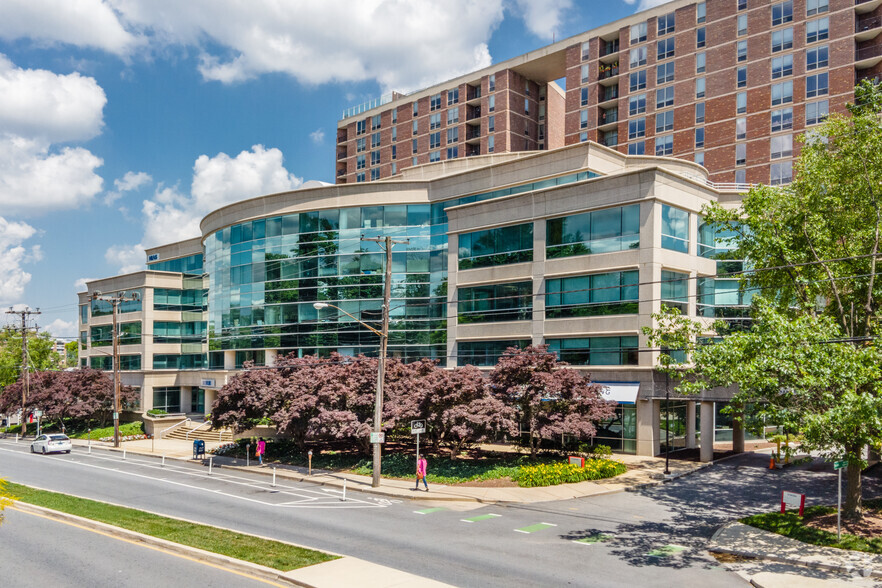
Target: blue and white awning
(621, 392)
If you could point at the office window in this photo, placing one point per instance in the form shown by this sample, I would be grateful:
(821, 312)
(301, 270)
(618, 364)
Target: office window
(665, 48)
(583, 96)
(453, 115)
(434, 156)
(375, 158)
(359, 177)
(394, 151)
(664, 145)
(637, 80)
(636, 128)
(699, 112)
(675, 290)
(740, 128)
(414, 146)
(491, 82)
(491, 103)
(742, 50)
(638, 148)
(600, 231)
(816, 112)
(666, 23)
(435, 121)
(740, 153)
(360, 145)
(741, 102)
(452, 96)
(583, 119)
(375, 174)
(782, 119)
(452, 135)
(360, 162)
(664, 73)
(664, 97)
(700, 62)
(781, 146)
(490, 143)
(782, 12)
(416, 108)
(416, 127)
(496, 302)
(740, 176)
(638, 33)
(675, 229)
(782, 93)
(782, 66)
(813, 7)
(699, 157)
(375, 140)
(491, 247)
(636, 104)
(741, 77)
(435, 102)
(817, 57)
(782, 40)
(699, 137)
(586, 70)
(592, 295)
(434, 140)
(781, 173)
(742, 25)
(638, 56)
(817, 30)
(700, 12)
(596, 351)
(361, 127)
(491, 122)
(664, 121)
(816, 85)
(699, 87)
(700, 37)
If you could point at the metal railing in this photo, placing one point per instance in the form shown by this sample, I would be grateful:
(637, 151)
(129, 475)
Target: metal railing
(174, 426)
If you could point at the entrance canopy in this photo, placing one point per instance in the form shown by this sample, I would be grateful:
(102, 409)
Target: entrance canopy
(621, 392)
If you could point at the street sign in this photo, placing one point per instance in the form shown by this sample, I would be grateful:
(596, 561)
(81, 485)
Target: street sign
(378, 437)
(838, 465)
(417, 427)
(792, 500)
(38, 413)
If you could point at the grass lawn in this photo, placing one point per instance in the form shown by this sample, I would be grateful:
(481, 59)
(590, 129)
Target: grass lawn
(81, 431)
(265, 552)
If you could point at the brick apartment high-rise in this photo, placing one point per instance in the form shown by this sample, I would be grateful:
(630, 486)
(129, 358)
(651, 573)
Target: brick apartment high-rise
(726, 83)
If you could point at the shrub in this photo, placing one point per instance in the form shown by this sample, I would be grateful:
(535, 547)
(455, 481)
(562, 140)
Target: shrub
(156, 412)
(567, 473)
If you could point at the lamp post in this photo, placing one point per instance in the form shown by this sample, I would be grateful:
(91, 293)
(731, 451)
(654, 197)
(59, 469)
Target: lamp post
(667, 423)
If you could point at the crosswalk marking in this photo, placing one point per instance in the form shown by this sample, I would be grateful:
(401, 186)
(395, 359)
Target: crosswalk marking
(534, 528)
(426, 511)
(480, 518)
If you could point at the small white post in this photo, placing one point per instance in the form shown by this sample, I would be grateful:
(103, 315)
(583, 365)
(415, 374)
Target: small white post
(210, 462)
(839, 508)
(16, 437)
(90, 448)
(274, 476)
(124, 454)
(344, 489)
(163, 461)
(247, 454)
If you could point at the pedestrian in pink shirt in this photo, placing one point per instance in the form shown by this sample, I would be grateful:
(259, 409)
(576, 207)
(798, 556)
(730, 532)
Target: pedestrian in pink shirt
(261, 450)
(422, 468)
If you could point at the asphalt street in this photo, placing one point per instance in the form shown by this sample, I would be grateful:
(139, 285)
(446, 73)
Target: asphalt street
(654, 537)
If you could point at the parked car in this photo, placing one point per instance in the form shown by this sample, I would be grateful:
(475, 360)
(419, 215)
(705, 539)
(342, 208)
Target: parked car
(51, 443)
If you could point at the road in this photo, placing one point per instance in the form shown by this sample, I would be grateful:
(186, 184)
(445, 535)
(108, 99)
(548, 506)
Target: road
(654, 537)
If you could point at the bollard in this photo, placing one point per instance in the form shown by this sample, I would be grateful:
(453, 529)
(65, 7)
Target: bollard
(344, 489)
(16, 437)
(210, 462)
(247, 454)
(124, 454)
(90, 448)
(274, 476)
(163, 461)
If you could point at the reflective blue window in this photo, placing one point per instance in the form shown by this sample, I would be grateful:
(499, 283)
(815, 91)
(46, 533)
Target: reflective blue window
(675, 229)
(484, 353)
(496, 246)
(596, 350)
(600, 231)
(592, 295)
(496, 302)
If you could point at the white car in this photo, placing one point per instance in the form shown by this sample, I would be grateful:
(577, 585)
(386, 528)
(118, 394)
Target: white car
(50, 443)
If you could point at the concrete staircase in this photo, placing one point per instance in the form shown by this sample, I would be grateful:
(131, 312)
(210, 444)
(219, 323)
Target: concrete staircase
(192, 431)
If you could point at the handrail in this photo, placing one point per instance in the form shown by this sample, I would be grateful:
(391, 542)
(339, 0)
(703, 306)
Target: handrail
(187, 437)
(174, 426)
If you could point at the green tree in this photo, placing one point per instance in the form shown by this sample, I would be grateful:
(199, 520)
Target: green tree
(71, 353)
(40, 354)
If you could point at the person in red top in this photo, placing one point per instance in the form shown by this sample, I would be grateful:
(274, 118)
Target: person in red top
(261, 449)
(422, 468)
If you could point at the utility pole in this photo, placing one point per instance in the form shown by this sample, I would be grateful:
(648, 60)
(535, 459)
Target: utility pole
(384, 340)
(115, 300)
(25, 370)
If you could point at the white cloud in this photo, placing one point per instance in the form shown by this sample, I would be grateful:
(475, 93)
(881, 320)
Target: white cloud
(646, 4)
(543, 17)
(131, 181)
(62, 329)
(13, 254)
(317, 136)
(80, 284)
(127, 258)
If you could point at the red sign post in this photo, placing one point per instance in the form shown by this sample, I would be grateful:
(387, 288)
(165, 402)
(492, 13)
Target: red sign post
(792, 500)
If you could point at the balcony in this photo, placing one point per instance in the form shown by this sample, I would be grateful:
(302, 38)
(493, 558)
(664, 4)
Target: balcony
(609, 138)
(341, 154)
(867, 28)
(865, 6)
(473, 114)
(608, 70)
(473, 133)
(867, 57)
(608, 94)
(342, 135)
(473, 93)
(473, 150)
(609, 47)
(607, 118)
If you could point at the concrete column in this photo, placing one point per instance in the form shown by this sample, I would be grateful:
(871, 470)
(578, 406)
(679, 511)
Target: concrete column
(229, 359)
(648, 429)
(270, 357)
(690, 424)
(707, 431)
(737, 434)
(538, 323)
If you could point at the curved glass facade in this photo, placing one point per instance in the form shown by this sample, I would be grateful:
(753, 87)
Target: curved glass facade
(265, 275)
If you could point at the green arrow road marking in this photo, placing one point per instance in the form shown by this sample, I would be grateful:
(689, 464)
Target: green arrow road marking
(534, 528)
(666, 551)
(480, 518)
(429, 510)
(591, 539)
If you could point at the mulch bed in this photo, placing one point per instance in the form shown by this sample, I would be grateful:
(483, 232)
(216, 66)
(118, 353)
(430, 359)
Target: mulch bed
(869, 527)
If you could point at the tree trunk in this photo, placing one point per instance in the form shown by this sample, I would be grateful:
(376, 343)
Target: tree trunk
(853, 501)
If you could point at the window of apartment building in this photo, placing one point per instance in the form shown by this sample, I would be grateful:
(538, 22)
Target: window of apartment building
(700, 37)
(782, 40)
(664, 145)
(434, 156)
(742, 25)
(813, 7)
(638, 148)
(636, 104)
(512, 244)
(742, 50)
(416, 127)
(782, 119)
(741, 77)
(435, 102)
(359, 177)
(741, 102)
(781, 146)
(453, 135)
(526, 106)
(360, 127)
(592, 295)
(637, 80)
(782, 12)
(599, 231)
(416, 108)
(699, 112)
(675, 290)
(495, 302)
(817, 30)
(666, 23)
(453, 96)
(699, 137)
(782, 66)
(700, 62)
(742, 4)
(394, 115)
(583, 97)
(638, 33)
(434, 140)
(740, 176)
(360, 162)
(638, 56)
(375, 174)
(699, 157)
(452, 152)
(816, 85)
(740, 128)
(665, 48)
(664, 73)
(491, 143)
(394, 169)
(375, 140)
(781, 173)
(414, 146)
(636, 128)
(664, 97)
(453, 115)
(583, 119)
(491, 82)
(435, 121)
(816, 112)
(394, 151)
(586, 50)
(782, 93)
(375, 122)
(414, 161)
(583, 137)
(360, 145)
(817, 57)
(699, 87)
(675, 229)
(491, 103)
(700, 12)
(586, 71)
(740, 153)
(664, 121)
(491, 122)
(394, 133)
(596, 350)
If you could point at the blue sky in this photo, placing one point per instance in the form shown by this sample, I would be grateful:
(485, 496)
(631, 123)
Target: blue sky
(123, 122)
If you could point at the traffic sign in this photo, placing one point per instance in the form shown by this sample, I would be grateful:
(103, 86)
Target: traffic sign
(38, 413)
(417, 427)
(838, 465)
